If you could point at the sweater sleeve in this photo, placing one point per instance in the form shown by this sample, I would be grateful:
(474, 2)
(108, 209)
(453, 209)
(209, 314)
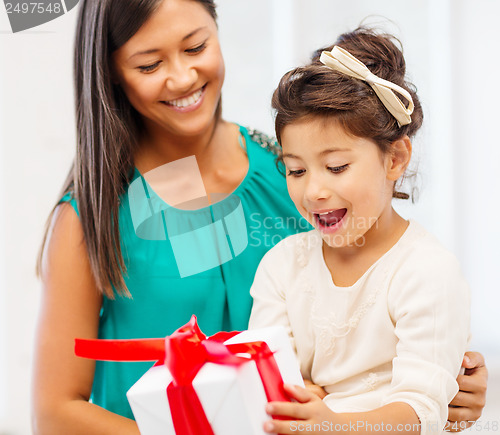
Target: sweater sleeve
(429, 304)
(268, 293)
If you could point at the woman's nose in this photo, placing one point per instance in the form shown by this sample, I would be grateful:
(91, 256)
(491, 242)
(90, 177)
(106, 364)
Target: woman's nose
(181, 77)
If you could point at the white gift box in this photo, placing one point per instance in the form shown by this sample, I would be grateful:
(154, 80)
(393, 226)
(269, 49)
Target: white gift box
(233, 398)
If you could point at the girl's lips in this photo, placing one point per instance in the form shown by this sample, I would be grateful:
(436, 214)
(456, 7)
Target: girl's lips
(329, 222)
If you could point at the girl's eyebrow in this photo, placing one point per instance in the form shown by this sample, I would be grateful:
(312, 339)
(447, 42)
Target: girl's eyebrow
(332, 150)
(321, 154)
(154, 50)
(291, 156)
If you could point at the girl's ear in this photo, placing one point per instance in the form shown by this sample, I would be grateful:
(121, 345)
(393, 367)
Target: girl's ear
(398, 158)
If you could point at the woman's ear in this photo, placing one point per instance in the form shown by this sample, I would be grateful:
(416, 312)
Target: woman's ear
(398, 158)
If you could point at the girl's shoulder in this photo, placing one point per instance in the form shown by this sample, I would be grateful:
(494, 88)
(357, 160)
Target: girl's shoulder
(419, 243)
(295, 250)
(419, 251)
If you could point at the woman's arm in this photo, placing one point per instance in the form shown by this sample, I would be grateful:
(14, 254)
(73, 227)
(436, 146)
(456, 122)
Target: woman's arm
(70, 308)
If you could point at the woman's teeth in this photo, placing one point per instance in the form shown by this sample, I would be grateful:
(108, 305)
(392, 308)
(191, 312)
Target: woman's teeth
(188, 101)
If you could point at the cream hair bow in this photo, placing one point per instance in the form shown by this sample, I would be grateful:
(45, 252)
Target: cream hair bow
(341, 60)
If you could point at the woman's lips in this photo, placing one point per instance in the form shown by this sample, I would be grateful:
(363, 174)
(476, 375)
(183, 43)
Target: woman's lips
(187, 104)
(330, 221)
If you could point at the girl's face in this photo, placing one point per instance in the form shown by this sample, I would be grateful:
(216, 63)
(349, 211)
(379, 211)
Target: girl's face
(172, 69)
(338, 182)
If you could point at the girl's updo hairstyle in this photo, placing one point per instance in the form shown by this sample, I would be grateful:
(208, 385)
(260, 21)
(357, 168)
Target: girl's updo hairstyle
(316, 90)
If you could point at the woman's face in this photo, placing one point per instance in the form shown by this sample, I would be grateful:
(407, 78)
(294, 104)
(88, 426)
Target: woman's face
(172, 69)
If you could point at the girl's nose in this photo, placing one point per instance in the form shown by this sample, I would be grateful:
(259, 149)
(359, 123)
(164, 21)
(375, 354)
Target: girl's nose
(181, 77)
(316, 189)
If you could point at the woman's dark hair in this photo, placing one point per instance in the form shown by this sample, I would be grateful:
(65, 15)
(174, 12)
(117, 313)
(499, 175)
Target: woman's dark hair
(108, 129)
(316, 90)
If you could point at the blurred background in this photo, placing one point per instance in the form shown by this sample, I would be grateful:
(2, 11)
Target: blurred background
(449, 46)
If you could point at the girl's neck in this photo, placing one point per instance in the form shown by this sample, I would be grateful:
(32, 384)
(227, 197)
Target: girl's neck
(349, 263)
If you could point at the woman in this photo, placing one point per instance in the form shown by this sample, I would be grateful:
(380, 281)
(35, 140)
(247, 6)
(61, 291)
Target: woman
(148, 83)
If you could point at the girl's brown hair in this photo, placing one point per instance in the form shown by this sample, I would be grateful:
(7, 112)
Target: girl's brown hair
(316, 90)
(108, 129)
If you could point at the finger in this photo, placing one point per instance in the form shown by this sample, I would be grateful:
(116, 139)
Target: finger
(463, 399)
(290, 410)
(475, 383)
(463, 415)
(479, 370)
(285, 427)
(473, 360)
(300, 394)
(318, 391)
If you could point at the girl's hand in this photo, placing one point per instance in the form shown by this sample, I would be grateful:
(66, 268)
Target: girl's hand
(301, 415)
(316, 389)
(467, 406)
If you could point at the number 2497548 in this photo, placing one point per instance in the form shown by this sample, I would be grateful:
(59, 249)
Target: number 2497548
(33, 8)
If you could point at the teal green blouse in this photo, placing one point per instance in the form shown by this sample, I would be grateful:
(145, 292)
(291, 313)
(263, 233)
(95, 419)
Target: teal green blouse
(161, 300)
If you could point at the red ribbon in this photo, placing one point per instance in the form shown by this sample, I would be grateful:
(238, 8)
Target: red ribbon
(184, 353)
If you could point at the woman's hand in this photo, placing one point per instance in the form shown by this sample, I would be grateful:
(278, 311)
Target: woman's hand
(467, 406)
(316, 389)
(301, 416)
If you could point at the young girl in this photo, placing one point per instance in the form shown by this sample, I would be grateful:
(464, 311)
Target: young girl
(377, 309)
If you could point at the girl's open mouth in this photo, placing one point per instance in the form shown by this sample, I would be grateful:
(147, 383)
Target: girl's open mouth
(330, 221)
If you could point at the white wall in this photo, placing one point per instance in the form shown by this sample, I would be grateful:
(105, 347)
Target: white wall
(36, 146)
(450, 50)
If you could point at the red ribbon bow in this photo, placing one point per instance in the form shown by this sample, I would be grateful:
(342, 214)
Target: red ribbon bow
(184, 353)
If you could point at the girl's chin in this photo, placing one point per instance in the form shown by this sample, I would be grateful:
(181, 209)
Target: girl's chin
(344, 240)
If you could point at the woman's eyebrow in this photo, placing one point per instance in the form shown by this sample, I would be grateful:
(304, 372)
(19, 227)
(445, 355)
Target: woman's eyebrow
(154, 50)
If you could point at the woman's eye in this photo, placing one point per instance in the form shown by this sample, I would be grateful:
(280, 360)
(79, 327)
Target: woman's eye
(196, 49)
(337, 169)
(149, 68)
(296, 173)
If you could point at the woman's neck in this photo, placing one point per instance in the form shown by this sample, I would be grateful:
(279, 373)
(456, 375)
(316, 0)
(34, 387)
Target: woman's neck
(158, 147)
(222, 162)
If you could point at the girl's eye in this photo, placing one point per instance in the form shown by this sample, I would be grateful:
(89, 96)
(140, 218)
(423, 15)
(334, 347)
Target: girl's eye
(149, 68)
(296, 173)
(337, 169)
(196, 49)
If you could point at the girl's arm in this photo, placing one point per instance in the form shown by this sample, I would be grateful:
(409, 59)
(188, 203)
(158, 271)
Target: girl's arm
(310, 415)
(70, 308)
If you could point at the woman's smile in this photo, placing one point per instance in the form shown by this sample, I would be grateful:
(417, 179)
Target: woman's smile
(189, 102)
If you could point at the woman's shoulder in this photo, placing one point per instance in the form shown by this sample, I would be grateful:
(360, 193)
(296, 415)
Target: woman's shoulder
(69, 198)
(266, 142)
